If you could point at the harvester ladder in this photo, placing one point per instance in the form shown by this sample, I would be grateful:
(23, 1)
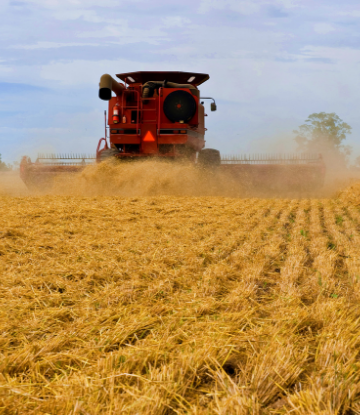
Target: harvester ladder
(137, 107)
(151, 110)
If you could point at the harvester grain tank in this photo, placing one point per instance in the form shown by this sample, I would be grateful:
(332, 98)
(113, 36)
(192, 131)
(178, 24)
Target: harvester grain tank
(162, 115)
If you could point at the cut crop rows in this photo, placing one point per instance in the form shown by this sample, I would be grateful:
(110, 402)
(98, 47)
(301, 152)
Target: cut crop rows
(164, 305)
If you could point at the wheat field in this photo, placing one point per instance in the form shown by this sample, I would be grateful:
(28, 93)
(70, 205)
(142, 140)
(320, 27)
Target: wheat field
(173, 304)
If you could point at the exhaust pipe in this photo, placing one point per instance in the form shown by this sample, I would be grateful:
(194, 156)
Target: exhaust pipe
(108, 84)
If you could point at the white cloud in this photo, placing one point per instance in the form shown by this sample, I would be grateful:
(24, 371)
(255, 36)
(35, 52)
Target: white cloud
(323, 28)
(175, 21)
(124, 34)
(5, 69)
(86, 72)
(4, 4)
(87, 16)
(51, 45)
(244, 6)
(353, 13)
(66, 4)
(74, 14)
(79, 9)
(227, 43)
(341, 56)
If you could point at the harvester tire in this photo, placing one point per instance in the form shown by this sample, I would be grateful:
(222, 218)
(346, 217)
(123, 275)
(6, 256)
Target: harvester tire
(108, 154)
(209, 157)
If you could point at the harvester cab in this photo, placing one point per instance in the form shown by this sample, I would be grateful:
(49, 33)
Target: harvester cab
(154, 114)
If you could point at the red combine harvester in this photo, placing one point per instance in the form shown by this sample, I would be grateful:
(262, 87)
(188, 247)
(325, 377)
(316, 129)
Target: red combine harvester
(161, 114)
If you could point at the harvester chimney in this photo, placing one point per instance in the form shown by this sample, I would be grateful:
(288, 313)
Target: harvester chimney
(108, 84)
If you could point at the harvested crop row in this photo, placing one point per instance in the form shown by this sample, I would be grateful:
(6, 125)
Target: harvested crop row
(160, 305)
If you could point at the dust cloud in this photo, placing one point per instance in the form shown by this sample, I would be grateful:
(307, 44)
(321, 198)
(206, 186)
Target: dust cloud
(155, 178)
(163, 178)
(148, 178)
(12, 185)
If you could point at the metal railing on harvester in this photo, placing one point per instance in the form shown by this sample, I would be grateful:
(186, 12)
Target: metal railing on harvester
(65, 159)
(290, 158)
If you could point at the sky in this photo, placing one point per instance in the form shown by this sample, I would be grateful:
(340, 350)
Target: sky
(271, 64)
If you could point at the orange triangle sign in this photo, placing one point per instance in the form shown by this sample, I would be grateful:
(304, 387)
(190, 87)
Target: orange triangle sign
(149, 137)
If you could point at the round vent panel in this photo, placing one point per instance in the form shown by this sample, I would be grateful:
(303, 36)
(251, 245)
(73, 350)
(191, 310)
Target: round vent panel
(179, 106)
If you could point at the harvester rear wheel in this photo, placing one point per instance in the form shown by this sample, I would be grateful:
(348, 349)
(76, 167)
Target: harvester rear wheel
(108, 154)
(209, 157)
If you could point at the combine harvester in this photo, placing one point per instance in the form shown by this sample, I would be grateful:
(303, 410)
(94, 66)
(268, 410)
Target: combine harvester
(162, 115)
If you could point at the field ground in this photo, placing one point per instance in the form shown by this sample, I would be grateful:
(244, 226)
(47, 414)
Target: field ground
(187, 305)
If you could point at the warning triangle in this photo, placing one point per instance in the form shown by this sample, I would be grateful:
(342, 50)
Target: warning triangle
(149, 137)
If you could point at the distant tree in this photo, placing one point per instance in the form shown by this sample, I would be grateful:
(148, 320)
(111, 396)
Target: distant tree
(324, 133)
(4, 166)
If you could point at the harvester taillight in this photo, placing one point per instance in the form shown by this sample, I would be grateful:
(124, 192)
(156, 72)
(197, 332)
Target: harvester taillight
(116, 118)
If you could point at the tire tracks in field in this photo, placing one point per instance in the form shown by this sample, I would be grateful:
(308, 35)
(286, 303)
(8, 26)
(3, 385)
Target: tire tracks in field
(235, 244)
(322, 279)
(297, 260)
(321, 261)
(282, 231)
(348, 219)
(252, 218)
(339, 244)
(260, 258)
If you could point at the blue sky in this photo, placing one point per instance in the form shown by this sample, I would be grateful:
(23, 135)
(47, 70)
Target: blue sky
(271, 64)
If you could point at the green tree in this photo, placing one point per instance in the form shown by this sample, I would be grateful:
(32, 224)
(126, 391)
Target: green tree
(324, 133)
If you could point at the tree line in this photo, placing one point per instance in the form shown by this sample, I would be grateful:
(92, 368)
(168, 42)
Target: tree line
(325, 133)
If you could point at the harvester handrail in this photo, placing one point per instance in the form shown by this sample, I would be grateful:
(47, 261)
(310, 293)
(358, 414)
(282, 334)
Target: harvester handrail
(63, 163)
(64, 159)
(53, 156)
(290, 158)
